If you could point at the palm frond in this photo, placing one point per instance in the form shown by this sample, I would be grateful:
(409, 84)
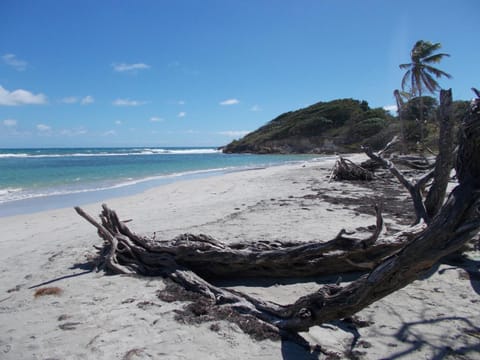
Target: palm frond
(405, 79)
(405, 95)
(431, 47)
(423, 49)
(417, 84)
(405, 66)
(435, 58)
(430, 83)
(419, 51)
(437, 72)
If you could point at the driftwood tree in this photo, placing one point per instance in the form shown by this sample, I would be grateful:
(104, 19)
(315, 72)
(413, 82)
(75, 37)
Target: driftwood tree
(192, 261)
(445, 158)
(426, 208)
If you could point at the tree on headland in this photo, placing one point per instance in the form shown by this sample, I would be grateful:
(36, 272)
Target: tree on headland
(420, 74)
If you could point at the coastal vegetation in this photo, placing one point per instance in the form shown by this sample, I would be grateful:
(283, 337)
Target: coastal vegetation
(344, 125)
(325, 127)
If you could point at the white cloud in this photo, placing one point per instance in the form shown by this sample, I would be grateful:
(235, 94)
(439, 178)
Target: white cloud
(234, 133)
(229, 102)
(181, 102)
(182, 114)
(123, 67)
(73, 100)
(128, 102)
(73, 132)
(118, 122)
(43, 128)
(156, 119)
(391, 108)
(10, 122)
(20, 97)
(69, 100)
(13, 61)
(110, 133)
(87, 100)
(255, 108)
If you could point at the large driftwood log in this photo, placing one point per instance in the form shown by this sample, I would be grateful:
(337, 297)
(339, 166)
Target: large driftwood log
(187, 260)
(210, 258)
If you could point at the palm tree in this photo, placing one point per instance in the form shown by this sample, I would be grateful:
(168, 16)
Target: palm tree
(420, 73)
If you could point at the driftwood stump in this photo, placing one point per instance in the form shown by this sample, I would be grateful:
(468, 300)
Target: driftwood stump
(345, 169)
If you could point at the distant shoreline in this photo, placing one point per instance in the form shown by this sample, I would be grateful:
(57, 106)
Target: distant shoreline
(59, 201)
(33, 180)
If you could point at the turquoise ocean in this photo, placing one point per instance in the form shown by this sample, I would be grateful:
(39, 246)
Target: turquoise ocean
(38, 179)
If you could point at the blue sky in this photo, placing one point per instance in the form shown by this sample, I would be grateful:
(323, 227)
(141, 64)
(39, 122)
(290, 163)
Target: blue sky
(201, 73)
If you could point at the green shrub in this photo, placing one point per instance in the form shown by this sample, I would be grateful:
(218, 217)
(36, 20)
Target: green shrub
(370, 126)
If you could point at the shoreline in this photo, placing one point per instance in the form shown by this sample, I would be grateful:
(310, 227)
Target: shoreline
(55, 200)
(60, 201)
(108, 317)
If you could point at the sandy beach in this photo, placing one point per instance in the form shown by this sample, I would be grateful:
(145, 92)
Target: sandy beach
(120, 317)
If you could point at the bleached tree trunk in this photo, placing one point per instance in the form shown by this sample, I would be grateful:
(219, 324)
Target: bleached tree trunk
(445, 157)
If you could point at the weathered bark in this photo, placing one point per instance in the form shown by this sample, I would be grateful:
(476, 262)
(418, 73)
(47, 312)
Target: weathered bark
(456, 223)
(445, 157)
(468, 164)
(345, 169)
(209, 258)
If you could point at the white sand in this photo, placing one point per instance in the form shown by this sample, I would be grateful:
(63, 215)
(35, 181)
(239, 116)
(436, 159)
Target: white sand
(115, 317)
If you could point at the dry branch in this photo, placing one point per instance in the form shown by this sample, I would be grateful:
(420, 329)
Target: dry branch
(414, 187)
(210, 258)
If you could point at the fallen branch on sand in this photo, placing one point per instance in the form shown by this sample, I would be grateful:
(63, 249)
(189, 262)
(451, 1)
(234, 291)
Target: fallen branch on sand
(130, 253)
